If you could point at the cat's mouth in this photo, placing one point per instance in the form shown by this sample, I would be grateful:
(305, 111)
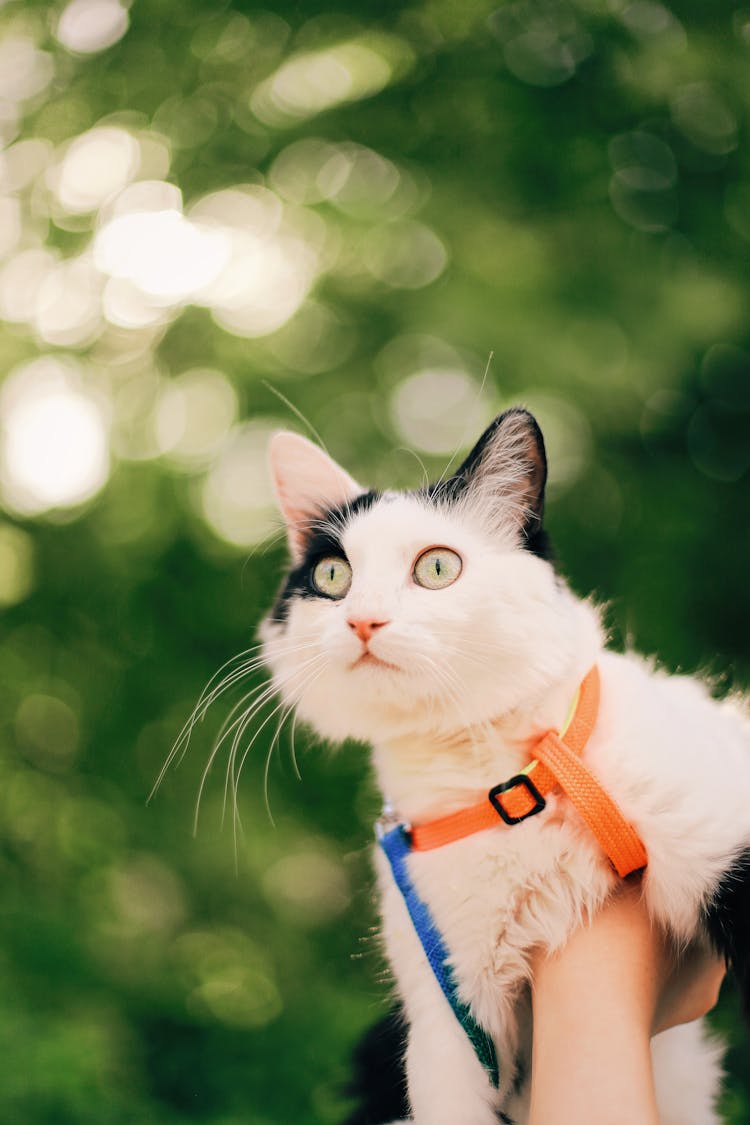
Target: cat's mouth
(370, 659)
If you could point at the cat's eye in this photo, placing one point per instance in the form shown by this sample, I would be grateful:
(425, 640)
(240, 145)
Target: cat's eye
(437, 568)
(332, 577)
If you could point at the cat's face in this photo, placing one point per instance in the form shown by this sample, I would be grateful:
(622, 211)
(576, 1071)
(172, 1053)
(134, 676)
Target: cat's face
(415, 610)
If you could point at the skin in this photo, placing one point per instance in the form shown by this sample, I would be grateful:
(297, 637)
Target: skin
(598, 1070)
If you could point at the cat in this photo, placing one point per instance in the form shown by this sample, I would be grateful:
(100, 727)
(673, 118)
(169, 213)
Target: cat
(433, 626)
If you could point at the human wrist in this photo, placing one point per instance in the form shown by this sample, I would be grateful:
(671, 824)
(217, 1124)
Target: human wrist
(594, 1005)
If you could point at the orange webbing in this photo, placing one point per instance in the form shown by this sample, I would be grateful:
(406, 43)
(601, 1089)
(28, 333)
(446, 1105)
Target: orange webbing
(518, 801)
(618, 839)
(557, 762)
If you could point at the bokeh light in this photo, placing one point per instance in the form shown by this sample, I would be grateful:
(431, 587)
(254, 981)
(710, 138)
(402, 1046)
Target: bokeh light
(406, 255)
(55, 451)
(310, 886)
(228, 977)
(47, 731)
(193, 416)
(542, 45)
(95, 166)
(641, 189)
(308, 84)
(67, 304)
(25, 70)
(86, 26)
(161, 252)
(434, 409)
(379, 226)
(705, 118)
(16, 565)
(271, 264)
(236, 497)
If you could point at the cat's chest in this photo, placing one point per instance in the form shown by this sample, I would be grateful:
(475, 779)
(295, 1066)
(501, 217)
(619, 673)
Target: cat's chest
(495, 895)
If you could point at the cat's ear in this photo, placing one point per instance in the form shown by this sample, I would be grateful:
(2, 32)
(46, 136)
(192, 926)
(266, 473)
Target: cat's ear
(307, 482)
(506, 472)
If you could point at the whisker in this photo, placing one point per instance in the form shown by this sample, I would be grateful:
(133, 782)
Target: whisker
(462, 440)
(267, 766)
(235, 744)
(183, 738)
(420, 462)
(453, 688)
(297, 773)
(258, 696)
(241, 724)
(297, 412)
(210, 694)
(263, 546)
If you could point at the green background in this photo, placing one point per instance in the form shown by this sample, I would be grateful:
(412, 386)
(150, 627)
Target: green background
(562, 186)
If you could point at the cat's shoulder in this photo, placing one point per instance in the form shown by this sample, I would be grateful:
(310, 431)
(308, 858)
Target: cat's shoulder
(649, 692)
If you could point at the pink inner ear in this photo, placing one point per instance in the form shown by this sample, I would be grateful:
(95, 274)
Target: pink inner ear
(307, 481)
(297, 520)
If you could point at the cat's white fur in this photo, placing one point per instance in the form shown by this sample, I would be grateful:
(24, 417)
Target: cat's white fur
(484, 666)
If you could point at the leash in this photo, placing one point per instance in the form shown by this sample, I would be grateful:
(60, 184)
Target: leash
(557, 763)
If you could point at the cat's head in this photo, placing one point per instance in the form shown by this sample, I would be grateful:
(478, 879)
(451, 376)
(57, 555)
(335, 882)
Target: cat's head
(431, 609)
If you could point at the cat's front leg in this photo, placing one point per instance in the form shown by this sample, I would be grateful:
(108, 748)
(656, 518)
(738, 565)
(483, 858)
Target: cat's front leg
(446, 1082)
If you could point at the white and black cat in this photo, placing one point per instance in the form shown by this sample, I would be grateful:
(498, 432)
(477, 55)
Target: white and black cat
(432, 625)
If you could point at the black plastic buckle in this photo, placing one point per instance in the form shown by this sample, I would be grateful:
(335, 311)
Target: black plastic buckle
(528, 784)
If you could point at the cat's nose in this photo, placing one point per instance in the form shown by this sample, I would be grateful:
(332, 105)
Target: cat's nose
(364, 627)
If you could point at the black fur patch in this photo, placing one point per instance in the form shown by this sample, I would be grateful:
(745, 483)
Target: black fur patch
(538, 543)
(378, 1076)
(534, 537)
(727, 919)
(324, 539)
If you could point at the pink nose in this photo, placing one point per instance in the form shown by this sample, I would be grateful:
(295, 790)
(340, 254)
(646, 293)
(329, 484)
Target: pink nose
(363, 627)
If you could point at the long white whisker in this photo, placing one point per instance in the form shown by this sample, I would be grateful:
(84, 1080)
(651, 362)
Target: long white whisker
(262, 693)
(462, 439)
(226, 729)
(310, 682)
(276, 740)
(420, 462)
(248, 666)
(296, 411)
(242, 723)
(208, 697)
(236, 774)
(452, 687)
(180, 745)
(297, 773)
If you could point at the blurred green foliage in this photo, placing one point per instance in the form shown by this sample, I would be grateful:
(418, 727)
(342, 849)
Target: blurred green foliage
(563, 185)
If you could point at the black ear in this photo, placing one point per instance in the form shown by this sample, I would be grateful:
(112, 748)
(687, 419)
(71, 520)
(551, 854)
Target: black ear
(506, 471)
(727, 919)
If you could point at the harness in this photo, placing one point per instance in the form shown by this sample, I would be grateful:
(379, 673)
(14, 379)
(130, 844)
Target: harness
(556, 764)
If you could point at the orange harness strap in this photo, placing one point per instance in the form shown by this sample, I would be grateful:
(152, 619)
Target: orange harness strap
(557, 762)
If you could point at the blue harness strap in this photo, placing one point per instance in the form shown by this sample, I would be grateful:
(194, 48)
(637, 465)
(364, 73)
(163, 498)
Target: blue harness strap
(395, 844)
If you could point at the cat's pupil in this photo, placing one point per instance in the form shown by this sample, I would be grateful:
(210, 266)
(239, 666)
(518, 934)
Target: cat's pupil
(333, 571)
(437, 567)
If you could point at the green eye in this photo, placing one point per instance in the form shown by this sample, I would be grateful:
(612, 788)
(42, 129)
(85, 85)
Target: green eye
(332, 577)
(437, 568)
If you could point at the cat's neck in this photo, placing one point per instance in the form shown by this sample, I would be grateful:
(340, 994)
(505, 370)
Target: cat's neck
(430, 772)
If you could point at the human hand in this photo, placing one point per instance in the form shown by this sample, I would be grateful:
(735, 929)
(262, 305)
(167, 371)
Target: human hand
(688, 983)
(597, 1002)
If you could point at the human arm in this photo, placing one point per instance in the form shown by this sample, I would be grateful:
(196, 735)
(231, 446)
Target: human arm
(597, 1002)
